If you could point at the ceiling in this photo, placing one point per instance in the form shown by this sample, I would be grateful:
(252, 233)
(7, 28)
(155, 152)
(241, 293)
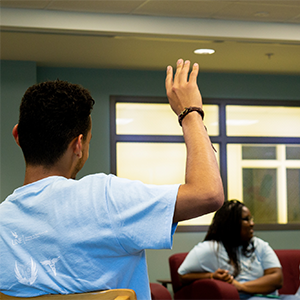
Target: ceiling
(248, 36)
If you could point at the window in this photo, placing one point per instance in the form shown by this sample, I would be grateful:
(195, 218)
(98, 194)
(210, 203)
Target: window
(258, 150)
(267, 181)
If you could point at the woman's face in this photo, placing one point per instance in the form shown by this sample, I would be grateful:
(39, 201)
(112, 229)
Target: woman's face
(246, 225)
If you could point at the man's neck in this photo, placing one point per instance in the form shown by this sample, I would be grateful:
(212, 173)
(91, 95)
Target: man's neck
(66, 166)
(35, 173)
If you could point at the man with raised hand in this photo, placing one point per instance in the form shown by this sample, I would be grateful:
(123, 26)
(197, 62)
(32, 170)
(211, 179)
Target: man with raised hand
(59, 235)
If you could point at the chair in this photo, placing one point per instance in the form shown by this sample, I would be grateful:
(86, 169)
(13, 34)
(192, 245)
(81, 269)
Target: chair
(290, 262)
(199, 289)
(159, 292)
(114, 294)
(215, 289)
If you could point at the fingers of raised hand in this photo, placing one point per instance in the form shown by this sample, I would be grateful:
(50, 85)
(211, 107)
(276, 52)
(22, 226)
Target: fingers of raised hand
(169, 80)
(185, 71)
(179, 67)
(194, 73)
(182, 71)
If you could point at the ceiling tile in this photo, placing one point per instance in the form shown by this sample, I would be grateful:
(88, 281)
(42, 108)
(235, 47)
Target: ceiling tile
(195, 9)
(255, 11)
(210, 1)
(296, 19)
(115, 7)
(273, 2)
(25, 4)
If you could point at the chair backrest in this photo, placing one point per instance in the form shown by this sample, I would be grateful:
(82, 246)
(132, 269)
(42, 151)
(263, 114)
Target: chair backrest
(290, 262)
(114, 294)
(159, 292)
(174, 262)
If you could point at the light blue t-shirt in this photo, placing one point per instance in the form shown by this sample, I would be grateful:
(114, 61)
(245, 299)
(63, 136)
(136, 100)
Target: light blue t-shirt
(208, 256)
(60, 235)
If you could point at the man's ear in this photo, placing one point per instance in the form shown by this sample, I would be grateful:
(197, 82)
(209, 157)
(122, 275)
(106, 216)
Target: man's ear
(77, 145)
(16, 134)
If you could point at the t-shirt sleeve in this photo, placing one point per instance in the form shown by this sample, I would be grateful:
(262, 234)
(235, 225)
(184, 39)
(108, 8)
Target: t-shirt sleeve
(202, 258)
(142, 214)
(267, 255)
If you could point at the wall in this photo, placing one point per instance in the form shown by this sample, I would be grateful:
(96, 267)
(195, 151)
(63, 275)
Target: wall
(17, 76)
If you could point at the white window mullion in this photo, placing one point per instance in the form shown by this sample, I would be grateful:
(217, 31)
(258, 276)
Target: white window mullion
(281, 186)
(235, 172)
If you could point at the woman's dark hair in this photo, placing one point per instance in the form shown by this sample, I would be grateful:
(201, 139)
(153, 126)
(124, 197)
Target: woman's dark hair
(52, 114)
(226, 228)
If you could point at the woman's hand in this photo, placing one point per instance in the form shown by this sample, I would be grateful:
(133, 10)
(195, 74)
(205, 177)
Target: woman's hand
(238, 285)
(223, 275)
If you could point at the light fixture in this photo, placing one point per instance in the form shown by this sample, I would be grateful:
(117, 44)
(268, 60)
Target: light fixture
(204, 51)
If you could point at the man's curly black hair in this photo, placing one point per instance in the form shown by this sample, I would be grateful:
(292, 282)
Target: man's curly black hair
(52, 114)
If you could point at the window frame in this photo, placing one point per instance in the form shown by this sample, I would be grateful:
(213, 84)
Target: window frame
(222, 139)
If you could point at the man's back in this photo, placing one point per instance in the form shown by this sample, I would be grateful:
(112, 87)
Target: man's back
(65, 236)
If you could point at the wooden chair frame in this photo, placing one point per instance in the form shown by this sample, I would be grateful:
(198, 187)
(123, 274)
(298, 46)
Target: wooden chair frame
(114, 294)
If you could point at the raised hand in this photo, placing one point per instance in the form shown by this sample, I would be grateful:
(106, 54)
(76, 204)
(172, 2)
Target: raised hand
(182, 91)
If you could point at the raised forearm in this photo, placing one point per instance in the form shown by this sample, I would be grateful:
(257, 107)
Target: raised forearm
(203, 191)
(203, 183)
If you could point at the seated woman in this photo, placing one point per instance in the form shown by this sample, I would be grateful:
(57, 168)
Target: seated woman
(232, 254)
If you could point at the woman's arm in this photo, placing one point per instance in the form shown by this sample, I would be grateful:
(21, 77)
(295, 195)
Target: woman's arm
(219, 274)
(268, 283)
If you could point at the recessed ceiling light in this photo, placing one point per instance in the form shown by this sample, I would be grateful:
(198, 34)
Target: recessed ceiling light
(204, 51)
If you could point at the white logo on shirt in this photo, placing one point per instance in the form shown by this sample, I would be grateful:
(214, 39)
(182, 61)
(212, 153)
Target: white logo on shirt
(14, 234)
(17, 240)
(24, 239)
(26, 274)
(51, 263)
